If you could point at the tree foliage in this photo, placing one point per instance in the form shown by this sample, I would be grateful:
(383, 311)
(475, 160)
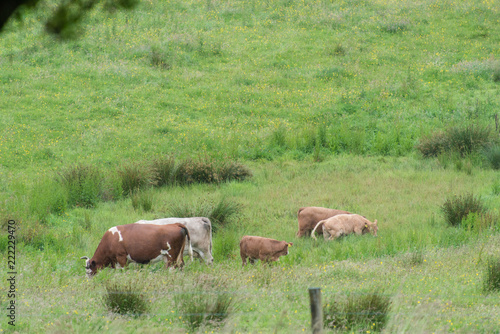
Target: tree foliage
(67, 15)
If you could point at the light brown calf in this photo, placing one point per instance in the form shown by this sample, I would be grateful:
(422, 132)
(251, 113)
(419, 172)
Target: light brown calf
(309, 217)
(264, 249)
(344, 224)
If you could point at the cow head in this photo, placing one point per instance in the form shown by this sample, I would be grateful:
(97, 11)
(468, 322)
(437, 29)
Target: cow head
(90, 266)
(282, 251)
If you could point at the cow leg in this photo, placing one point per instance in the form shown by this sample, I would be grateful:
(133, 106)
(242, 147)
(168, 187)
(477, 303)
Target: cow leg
(243, 260)
(303, 233)
(326, 234)
(358, 231)
(121, 261)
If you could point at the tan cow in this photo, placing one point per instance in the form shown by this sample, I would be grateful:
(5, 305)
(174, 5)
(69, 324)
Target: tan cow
(140, 244)
(260, 248)
(344, 224)
(309, 217)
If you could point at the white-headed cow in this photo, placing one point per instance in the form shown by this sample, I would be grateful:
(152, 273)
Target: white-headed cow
(341, 225)
(260, 248)
(309, 216)
(200, 231)
(142, 244)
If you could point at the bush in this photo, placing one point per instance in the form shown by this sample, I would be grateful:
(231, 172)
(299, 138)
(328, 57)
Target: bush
(492, 276)
(83, 185)
(367, 312)
(457, 208)
(124, 299)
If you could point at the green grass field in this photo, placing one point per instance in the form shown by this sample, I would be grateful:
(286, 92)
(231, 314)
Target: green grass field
(325, 102)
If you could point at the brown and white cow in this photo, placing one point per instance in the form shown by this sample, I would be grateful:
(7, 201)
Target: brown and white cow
(260, 248)
(309, 217)
(344, 224)
(200, 231)
(139, 243)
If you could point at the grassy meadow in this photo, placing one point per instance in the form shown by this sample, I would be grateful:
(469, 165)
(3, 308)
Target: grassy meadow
(245, 111)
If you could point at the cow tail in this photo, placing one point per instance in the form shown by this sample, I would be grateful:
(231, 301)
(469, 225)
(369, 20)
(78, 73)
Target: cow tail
(298, 212)
(314, 230)
(188, 241)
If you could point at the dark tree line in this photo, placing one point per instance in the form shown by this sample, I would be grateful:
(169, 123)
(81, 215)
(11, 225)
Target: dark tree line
(67, 14)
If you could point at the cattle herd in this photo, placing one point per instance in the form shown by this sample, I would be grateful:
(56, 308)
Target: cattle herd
(169, 239)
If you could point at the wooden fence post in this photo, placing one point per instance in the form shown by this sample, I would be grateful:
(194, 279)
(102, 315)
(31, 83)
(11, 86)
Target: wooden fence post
(316, 310)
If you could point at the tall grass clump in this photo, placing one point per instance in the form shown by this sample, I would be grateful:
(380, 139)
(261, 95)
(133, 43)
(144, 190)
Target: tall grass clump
(47, 197)
(461, 140)
(134, 177)
(491, 281)
(208, 171)
(457, 208)
(142, 200)
(83, 185)
(360, 313)
(124, 299)
(220, 214)
(205, 304)
(163, 171)
(190, 171)
(492, 154)
(233, 171)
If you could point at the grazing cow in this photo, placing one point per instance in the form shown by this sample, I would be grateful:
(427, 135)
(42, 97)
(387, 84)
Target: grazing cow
(140, 244)
(309, 216)
(200, 231)
(344, 224)
(264, 249)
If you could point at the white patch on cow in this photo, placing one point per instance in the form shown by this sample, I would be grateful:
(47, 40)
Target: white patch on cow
(117, 266)
(165, 252)
(114, 230)
(129, 259)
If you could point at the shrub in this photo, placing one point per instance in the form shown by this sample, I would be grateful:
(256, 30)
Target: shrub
(124, 299)
(134, 177)
(492, 275)
(83, 185)
(456, 208)
(367, 312)
(204, 305)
